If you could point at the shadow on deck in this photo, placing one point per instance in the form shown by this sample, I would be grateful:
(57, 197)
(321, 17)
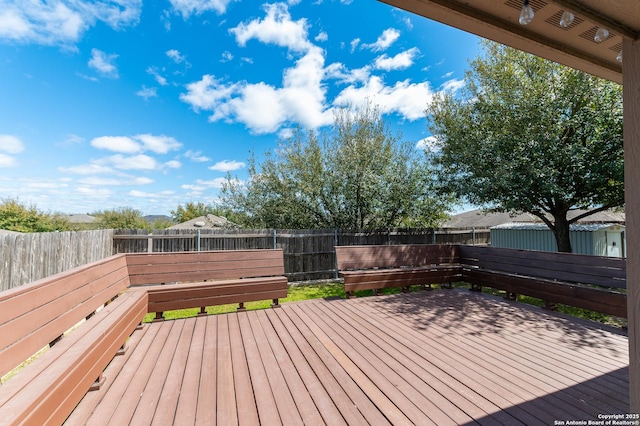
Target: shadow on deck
(442, 357)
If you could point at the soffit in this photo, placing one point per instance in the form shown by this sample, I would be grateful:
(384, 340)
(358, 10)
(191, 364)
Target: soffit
(573, 46)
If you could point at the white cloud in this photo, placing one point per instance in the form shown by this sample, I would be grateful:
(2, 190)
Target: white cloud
(186, 8)
(196, 156)
(11, 144)
(7, 161)
(452, 85)
(404, 98)
(226, 56)
(276, 28)
(158, 144)
(340, 72)
(72, 140)
(93, 192)
(227, 166)
(122, 181)
(386, 39)
(207, 93)
(428, 143)
(264, 108)
(104, 63)
(202, 185)
(156, 74)
(122, 144)
(147, 92)
(173, 164)
(132, 145)
(354, 44)
(447, 75)
(142, 194)
(400, 61)
(86, 169)
(136, 162)
(177, 57)
(62, 22)
(321, 37)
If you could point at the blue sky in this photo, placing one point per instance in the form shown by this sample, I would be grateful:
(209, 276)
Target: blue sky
(148, 105)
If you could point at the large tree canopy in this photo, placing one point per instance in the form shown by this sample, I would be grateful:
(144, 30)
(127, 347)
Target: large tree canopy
(529, 135)
(354, 175)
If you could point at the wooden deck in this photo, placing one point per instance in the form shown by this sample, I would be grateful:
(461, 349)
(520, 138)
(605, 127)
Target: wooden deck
(439, 357)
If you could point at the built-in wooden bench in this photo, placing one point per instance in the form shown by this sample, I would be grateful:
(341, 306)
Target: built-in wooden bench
(201, 279)
(108, 300)
(590, 282)
(376, 267)
(37, 315)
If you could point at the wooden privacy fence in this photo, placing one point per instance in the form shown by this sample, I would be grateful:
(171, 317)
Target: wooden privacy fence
(27, 257)
(308, 254)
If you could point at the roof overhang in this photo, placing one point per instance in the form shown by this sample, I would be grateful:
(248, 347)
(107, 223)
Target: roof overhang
(573, 46)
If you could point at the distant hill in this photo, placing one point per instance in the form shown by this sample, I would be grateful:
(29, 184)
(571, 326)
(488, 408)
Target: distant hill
(154, 217)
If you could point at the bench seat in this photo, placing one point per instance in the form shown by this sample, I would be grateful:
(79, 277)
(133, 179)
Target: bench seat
(373, 279)
(188, 295)
(50, 388)
(588, 282)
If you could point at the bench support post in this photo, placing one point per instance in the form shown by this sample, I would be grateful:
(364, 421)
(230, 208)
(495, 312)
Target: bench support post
(98, 383)
(511, 296)
(475, 287)
(275, 303)
(241, 307)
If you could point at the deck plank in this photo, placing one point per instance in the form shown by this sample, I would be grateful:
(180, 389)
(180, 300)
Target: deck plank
(227, 411)
(150, 399)
(172, 387)
(207, 390)
(441, 357)
(265, 400)
(188, 398)
(304, 402)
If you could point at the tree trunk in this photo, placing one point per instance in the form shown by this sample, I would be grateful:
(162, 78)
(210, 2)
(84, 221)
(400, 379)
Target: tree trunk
(561, 232)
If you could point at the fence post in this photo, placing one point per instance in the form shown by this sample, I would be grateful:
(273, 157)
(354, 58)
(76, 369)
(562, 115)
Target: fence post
(335, 257)
(473, 230)
(198, 241)
(274, 240)
(150, 243)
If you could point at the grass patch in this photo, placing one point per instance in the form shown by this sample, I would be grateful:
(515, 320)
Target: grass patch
(294, 294)
(336, 290)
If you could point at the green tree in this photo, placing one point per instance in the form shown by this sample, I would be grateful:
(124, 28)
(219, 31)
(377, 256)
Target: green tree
(356, 174)
(529, 135)
(121, 218)
(190, 211)
(15, 216)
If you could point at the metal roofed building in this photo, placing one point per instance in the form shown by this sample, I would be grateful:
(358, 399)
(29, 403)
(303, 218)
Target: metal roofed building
(597, 239)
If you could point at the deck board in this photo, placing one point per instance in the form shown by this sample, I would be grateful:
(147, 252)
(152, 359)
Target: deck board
(441, 357)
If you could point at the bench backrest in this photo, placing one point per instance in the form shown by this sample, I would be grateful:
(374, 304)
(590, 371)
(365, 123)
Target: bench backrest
(394, 256)
(160, 268)
(33, 315)
(607, 272)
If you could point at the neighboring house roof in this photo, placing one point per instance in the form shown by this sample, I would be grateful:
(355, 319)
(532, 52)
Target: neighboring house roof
(482, 219)
(573, 227)
(209, 221)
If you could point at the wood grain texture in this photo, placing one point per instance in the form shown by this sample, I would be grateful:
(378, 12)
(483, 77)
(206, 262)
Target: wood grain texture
(430, 358)
(631, 94)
